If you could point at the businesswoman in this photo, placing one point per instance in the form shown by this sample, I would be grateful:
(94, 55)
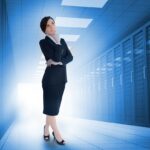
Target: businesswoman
(57, 56)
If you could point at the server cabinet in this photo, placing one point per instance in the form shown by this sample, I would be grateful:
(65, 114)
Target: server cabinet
(148, 66)
(91, 89)
(98, 89)
(94, 90)
(1, 60)
(141, 104)
(118, 84)
(82, 92)
(103, 73)
(110, 85)
(129, 106)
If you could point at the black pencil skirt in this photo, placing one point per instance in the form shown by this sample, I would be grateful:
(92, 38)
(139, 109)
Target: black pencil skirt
(52, 97)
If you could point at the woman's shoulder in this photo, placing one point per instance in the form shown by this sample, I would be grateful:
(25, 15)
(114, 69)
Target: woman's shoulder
(62, 40)
(42, 41)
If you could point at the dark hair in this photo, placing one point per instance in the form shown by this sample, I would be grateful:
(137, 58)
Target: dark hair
(44, 21)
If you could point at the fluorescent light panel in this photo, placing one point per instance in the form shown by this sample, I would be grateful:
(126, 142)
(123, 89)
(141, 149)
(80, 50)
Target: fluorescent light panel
(85, 3)
(70, 37)
(73, 22)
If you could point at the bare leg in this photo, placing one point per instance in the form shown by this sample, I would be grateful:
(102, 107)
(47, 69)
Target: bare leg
(51, 121)
(47, 126)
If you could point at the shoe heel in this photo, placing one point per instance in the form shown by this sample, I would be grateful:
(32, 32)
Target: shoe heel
(46, 137)
(60, 143)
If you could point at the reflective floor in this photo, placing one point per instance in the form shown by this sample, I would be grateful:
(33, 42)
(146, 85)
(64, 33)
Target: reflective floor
(26, 134)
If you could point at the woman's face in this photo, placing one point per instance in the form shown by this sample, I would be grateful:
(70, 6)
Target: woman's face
(50, 27)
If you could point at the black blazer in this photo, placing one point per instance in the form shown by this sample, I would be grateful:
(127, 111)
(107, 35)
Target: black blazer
(55, 74)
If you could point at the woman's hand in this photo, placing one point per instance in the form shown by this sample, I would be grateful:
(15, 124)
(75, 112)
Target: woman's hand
(52, 62)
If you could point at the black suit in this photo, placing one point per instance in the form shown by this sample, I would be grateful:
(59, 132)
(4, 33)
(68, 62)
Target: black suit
(57, 73)
(55, 76)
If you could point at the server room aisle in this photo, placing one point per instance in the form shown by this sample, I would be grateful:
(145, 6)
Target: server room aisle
(26, 134)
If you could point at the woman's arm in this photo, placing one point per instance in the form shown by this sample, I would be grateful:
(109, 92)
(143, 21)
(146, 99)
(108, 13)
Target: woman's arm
(68, 57)
(44, 49)
(48, 54)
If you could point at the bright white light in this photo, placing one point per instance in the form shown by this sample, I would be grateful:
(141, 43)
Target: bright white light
(29, 99)
(67, 106)
(73, 22)
(39, 71)
(42, 62)
(41, 67)
(42, 56)
(70, 47)
(70, 37)
(85, 3)
(37, 76)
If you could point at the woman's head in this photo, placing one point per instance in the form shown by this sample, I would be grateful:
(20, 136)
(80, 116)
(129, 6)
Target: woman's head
(48, 26)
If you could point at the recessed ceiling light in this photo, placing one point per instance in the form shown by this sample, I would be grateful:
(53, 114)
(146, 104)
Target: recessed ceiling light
(73, 22)
(85, 3)
(70, 37)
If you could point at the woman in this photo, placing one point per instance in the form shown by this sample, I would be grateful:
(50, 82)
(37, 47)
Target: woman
(57, 56)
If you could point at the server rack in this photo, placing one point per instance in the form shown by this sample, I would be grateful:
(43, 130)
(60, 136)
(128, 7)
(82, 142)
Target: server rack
(104, 95)
(98, 91)
(139, 78)
(110, 85)
(128, 81)
(119, 80)
(148, 66)
(118, 83)
(94, 87)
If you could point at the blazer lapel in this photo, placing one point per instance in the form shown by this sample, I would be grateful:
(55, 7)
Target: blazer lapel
(50, 40)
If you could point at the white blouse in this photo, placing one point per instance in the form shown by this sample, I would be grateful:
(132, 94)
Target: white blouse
(57, 42)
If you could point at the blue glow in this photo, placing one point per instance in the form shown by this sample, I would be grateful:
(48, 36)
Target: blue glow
(106, 103)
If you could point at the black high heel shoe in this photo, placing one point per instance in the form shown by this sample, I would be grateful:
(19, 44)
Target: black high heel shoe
(60, 143)
(46, 137)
